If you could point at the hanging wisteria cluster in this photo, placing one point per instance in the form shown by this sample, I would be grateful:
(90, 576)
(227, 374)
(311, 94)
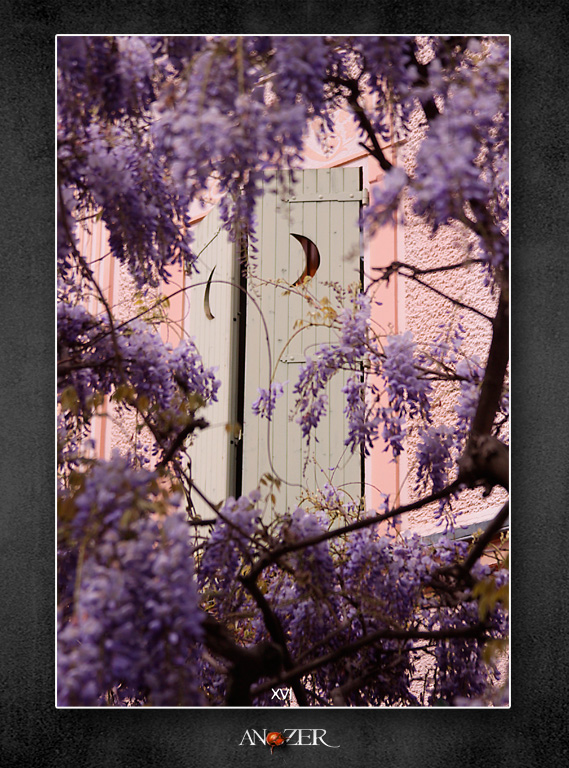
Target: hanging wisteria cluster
(158, 606)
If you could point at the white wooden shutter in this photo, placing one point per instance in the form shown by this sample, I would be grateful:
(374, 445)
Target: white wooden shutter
(324, 206)
(213, 450)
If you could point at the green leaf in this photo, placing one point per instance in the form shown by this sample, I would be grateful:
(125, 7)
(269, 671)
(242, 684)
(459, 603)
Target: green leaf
(69, 400)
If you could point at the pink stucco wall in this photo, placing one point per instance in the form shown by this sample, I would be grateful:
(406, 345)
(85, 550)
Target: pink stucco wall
(424, 310)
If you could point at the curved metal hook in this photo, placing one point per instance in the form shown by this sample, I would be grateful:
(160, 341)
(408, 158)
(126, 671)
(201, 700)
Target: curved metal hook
(312, 257)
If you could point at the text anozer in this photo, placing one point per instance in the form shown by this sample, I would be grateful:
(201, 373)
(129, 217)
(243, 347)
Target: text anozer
(295, 737)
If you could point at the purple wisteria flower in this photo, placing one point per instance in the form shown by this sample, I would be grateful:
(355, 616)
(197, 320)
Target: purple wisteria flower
(145, 362)
(264, 405)
(434, 456)
(407, 390)
(447, 344)
(450, 173)
(354, 327)
(385, 198)
(224, 125)
(471, 374)
(137, 621)
(362, 428)
(228, 545)
(353, 344)
(109, 490)
(310, 417)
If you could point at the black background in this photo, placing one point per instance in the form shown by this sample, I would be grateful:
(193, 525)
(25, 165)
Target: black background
(534, 730)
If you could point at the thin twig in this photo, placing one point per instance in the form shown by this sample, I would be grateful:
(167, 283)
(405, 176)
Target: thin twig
(478, 549)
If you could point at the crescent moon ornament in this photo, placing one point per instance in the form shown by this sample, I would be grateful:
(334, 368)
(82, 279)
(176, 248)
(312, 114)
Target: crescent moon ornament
(312, 257)
(206, 306)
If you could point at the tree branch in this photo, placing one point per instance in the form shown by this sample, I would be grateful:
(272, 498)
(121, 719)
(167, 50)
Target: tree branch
(479, 548)
(396, 266)
(276, 631)
(474, 631)
(248, 664)
(485, 461)
(353, 89)
(485, 458)
(494, 375)
(180, 438)
(272, 556)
